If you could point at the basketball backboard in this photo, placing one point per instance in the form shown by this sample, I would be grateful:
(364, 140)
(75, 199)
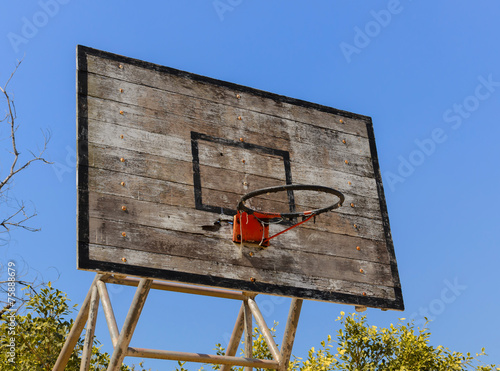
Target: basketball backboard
(164, 156)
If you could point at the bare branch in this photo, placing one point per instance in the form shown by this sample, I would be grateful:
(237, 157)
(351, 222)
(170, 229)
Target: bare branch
(10, 222)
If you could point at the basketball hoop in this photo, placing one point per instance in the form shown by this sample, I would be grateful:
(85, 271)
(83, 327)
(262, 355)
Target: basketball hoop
(252, 226)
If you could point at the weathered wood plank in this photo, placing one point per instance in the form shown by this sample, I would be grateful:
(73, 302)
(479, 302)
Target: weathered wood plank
(175, 218)
(269, 131)
(130, 74)
(328, 155)
(224, 251)
(218, 270)
(176, 148)
(220, 187)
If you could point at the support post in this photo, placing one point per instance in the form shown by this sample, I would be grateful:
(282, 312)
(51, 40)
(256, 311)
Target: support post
(290, 331)
(264, 329)
(248, 332)
(130, 323)
(108, 313)
(89, 335)
(235, 339)
(76, 330)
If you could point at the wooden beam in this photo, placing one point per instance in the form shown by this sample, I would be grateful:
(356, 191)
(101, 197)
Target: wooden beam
(89, 335)
(264, 329)
(108, 312)
(130, 323)
(290, 331)
(202, 358)
(76, 330)
(177, 287)
(235, 339)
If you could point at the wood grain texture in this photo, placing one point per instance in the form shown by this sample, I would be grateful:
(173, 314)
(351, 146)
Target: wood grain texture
(194, 89)
(164, 157)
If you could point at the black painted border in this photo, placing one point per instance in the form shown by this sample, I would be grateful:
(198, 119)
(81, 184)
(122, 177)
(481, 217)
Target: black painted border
(198, 196)
(84, 261)
(82, 207)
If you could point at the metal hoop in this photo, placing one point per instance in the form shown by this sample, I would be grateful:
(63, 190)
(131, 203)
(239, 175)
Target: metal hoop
(296, 187)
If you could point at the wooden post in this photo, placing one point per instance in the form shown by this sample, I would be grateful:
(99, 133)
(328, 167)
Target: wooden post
(248, 332)
(89, 335)
(232, 347)
(108, 312)
(289, 335)
(268, 337)
(76, 330)
(129, 325)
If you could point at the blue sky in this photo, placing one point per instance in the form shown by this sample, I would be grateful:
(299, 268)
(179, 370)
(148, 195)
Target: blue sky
(428, 74)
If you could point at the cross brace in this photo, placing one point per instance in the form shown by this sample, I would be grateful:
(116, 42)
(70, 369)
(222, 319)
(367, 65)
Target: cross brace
(121, 339)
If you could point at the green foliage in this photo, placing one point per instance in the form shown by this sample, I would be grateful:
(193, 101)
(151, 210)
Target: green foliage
(39, 334)
(361, 347)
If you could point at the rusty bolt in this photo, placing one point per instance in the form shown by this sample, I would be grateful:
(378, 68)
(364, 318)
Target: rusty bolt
(352, 205)
(121, 90)
(121, 112)
(341, 121)
(122, 159)
(343, 141)
(245, 183)
(123, 184)
(243, 161)
(120, 66)
(239, 118)
(124, 208)
(250, 253)
(252, 279)
(238, 96)
(242, 140)
(364, 294)
(356, 226)
(346, 162)
(124, 260)
(361, 271)
(124, 234)
(121, 136)
(358, 248)
(349, 183)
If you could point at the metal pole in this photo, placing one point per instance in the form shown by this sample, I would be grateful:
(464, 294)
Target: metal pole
(290, 331)
(89, 336)
(130, 323)
(108, 312)
(76, 330)
(248, 332)
(264, 329)
(232, 347)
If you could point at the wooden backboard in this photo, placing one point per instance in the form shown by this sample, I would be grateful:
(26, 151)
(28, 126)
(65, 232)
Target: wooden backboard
(165, 155)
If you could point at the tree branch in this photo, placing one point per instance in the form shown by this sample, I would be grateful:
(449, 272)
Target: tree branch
(9, 222)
